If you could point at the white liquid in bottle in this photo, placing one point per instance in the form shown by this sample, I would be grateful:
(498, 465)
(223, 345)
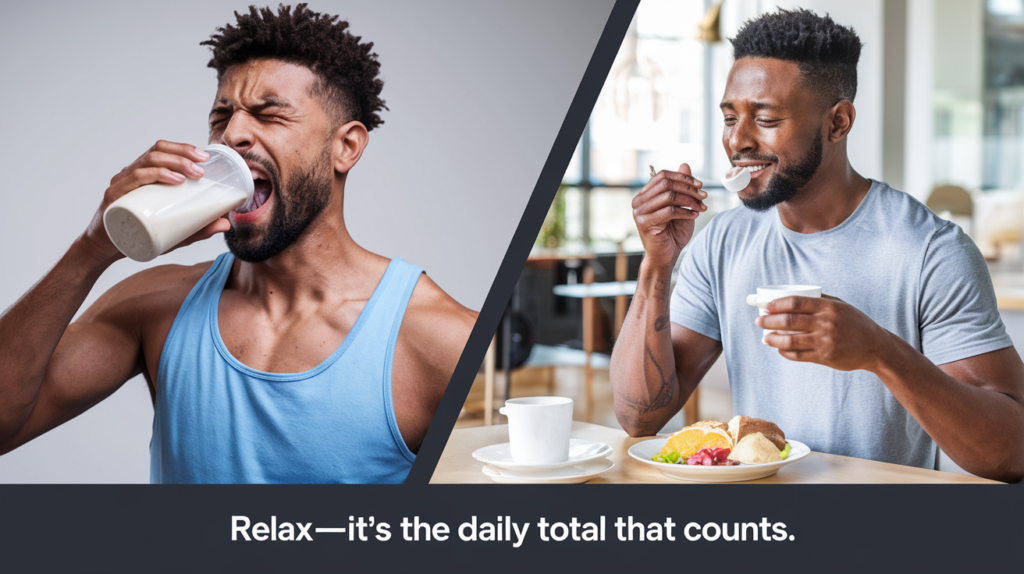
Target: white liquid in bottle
(152, 219)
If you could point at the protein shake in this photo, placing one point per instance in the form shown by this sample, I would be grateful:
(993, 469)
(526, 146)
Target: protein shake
(154, 218)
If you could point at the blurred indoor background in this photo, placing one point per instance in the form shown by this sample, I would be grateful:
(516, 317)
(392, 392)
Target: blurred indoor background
(940, 114)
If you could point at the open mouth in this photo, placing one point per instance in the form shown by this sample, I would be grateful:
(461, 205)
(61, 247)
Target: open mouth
(263, 189)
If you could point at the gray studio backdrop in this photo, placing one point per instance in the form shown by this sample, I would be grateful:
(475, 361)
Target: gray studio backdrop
(477, 93)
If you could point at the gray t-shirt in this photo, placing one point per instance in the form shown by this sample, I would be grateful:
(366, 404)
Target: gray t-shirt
(913, 273)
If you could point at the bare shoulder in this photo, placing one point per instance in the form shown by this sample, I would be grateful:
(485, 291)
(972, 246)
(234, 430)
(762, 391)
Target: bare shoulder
(435, 327)
(430, 302)
(156, 290)
(434, 331)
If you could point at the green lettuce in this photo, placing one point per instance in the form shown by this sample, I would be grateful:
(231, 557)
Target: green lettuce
(670, 458)
(785, 452)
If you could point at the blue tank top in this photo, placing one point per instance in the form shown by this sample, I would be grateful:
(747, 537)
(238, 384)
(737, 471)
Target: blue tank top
(219, 421)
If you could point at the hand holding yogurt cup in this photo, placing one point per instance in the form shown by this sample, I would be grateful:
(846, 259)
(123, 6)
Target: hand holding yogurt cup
(767, 294)
(819, 329)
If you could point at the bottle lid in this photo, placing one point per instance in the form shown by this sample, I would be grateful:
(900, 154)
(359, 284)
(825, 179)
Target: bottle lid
(232, 170)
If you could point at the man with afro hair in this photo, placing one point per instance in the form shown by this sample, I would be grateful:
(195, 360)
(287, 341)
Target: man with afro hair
(905, 353)
(296, 357)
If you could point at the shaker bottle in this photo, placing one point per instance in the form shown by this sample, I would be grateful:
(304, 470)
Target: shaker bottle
(154, 218)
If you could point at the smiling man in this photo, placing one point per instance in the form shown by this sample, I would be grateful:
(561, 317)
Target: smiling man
(908, 352)
(297, 357)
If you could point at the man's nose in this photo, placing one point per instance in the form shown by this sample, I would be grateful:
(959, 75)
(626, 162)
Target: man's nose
(740, 137)
(240, 131)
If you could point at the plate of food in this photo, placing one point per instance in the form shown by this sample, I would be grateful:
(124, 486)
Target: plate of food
(745, 448)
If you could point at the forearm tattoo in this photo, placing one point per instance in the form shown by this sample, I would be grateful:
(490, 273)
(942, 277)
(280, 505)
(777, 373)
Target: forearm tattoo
(667, 384)
(661, 323)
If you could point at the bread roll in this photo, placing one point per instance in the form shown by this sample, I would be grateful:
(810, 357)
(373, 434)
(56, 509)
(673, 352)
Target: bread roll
(708, 425)
(741, 426)
(755, 449)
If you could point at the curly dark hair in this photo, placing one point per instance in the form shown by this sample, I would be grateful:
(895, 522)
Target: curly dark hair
(825, 52)
(347, 71)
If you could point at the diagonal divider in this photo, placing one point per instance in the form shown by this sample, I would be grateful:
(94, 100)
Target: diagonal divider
(526, 233)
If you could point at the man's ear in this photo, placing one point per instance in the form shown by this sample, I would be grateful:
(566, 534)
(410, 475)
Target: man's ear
(840, 119)
(347, 145)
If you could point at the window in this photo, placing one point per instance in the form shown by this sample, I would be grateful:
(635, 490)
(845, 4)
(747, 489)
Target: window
(1003, 123)
(658, 107)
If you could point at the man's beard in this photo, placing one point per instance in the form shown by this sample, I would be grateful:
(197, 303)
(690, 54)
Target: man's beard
(293, 211)
(786, 182)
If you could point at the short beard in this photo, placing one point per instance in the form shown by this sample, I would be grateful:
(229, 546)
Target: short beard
(294, 211)
(786, 182)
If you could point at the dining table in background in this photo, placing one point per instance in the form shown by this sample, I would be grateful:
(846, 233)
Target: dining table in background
(588, 291)
(538, 259)
(580, 261)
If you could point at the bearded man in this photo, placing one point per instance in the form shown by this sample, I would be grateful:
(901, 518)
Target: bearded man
(908, 353)
(297, 357)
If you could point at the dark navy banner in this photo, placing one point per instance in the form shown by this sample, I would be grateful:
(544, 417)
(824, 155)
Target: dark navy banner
(480, 528)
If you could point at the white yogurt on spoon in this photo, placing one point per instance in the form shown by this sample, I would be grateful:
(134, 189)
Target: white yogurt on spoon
(736, 179)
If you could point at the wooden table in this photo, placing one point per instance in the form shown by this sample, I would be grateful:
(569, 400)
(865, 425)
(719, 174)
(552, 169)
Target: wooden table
(457, 464)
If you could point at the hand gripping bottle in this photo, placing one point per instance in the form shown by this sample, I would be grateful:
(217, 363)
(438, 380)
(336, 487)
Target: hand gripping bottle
(154, 218)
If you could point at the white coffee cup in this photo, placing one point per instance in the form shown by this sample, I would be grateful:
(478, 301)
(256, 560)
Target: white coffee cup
(538, 429)
(770, 293)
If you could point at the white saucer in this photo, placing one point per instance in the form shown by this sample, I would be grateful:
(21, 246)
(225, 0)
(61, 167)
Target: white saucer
(499, 456)
(581, 472)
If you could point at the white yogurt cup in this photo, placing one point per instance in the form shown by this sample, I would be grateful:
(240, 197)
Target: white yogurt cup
(770, 293)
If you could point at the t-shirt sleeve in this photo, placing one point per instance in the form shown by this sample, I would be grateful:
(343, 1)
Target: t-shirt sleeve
(958, 312)
(693, 302)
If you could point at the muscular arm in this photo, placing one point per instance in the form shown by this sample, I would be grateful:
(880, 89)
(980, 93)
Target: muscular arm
(51, 371)
(45, 365)
(433, 334)
(116, 338)
(973, 408)
(656, 364)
